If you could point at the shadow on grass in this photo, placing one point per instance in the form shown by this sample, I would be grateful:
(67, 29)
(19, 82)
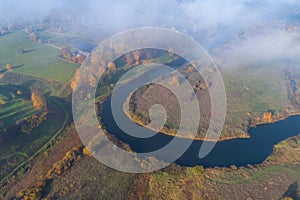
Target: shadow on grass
(293, 191)
(29, 50)
(18, 66)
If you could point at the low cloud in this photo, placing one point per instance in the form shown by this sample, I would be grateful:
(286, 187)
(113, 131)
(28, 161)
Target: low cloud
(205, 20)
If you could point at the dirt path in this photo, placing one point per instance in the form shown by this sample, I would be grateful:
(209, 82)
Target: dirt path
(56, 47)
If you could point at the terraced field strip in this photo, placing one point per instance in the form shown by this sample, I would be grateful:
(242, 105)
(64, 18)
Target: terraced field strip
(15, 110)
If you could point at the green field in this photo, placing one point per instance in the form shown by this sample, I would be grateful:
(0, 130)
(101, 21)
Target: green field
(39, 60)
(253, 90)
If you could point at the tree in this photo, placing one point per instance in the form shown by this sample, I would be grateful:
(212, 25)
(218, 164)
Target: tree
(60, 30)
(8, 67)
(111, 67)
(33, 36)
(10, 26)
(175, 81)
(171, 51)
(38, 100)
(80, 59)
(21, 50)
(136, 56)
(86, 152)
(75, 80)
(66, 52)
(267, 116)
(40, 41)
(128, 59)
(27, 30)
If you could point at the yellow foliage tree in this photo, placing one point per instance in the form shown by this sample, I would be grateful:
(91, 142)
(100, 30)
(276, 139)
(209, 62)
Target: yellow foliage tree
(80, 59)
(75, 80)
(175, 81)
(38, 100)
(128, 59)
(8, 67)
(111, 67)
(267, 117)
(136, 56)
(86, 152)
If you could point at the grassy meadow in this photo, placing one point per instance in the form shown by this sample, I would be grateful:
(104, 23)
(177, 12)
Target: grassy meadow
(253, 90)
(38, 60)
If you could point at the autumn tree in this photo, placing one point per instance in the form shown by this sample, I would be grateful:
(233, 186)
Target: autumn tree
(73, 84)
(38, 100)
(267, 116)
(112, 67)
(8, 67)
(75, 80)
(86, 152)
(175, 81)
(66, 52)
(33, 36)
(74, 59)
(128, 59)
(136, 56)
(80, 59)
(65, 163)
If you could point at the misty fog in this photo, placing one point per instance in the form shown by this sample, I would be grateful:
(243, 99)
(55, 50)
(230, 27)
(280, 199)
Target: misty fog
(254, 26)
